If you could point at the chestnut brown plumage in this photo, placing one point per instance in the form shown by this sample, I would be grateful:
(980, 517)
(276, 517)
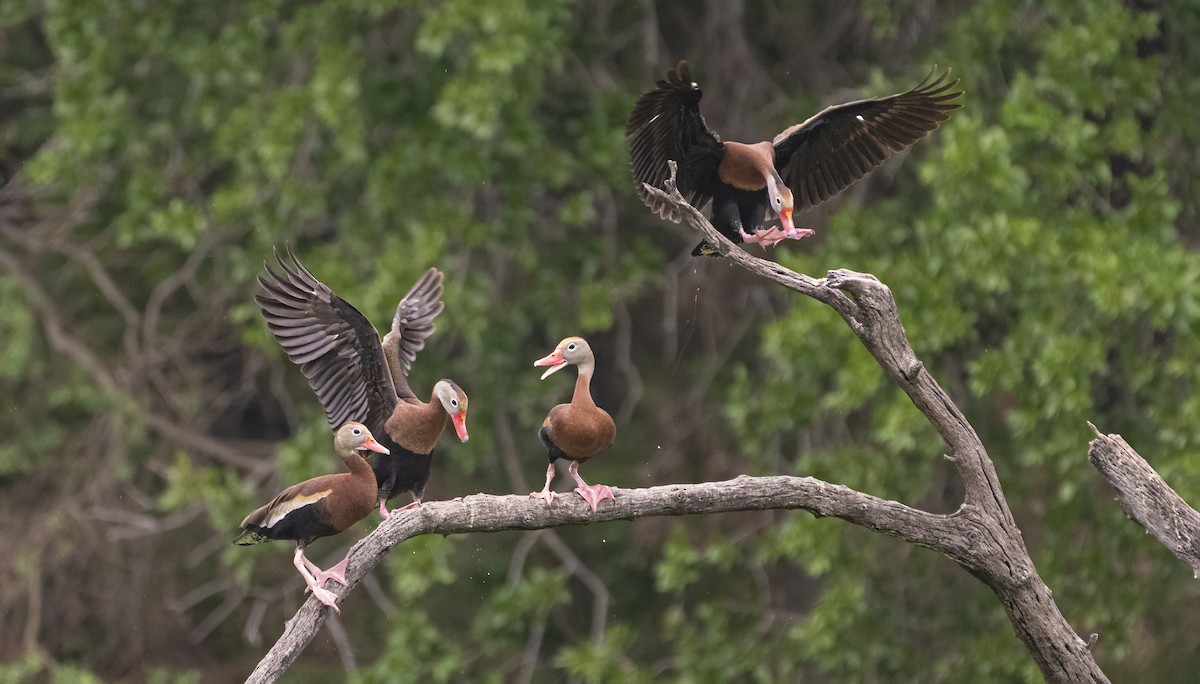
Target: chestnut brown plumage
(579, 430)
(320, 507)
(357, 377)
(801, 167)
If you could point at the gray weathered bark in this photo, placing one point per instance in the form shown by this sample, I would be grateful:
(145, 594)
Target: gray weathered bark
(1147, 498)
(981, 535)
(487, 513)
(994, 549)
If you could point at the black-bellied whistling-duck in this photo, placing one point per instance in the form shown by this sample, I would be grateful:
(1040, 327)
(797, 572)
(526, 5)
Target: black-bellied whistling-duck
(803, 166)
(579, 430)
(320, 507)
(356, 377)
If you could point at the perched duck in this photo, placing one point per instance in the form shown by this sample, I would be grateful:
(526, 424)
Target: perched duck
(320, 507)
(356, 377)
(579, 430)
(801, 167)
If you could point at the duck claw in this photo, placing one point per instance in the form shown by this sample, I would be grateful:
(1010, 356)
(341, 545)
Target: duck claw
(326, 597)
(594, 494)
(545, 494)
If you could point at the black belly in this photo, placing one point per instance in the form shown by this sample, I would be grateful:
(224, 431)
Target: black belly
(552, 449)
(733, 209)
(400, 471)
(302, 525)
(745, 209)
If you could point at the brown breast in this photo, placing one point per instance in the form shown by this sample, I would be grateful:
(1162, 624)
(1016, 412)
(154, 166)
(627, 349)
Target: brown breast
(353, 499)
(417, 426)
(580, 431)
(746, 167)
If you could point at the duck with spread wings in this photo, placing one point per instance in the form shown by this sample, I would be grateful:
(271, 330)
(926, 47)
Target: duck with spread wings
(801, 167)
(358, 377)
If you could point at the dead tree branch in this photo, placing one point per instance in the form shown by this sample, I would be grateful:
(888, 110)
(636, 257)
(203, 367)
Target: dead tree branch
(1147, 499)
(999, 557)
(981, 536)
(487, 513)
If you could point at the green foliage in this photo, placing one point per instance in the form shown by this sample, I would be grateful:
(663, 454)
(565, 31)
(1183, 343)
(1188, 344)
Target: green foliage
(604, 661)
(1040, 246)
(414, 651)
(1042, 277)
(500, 624)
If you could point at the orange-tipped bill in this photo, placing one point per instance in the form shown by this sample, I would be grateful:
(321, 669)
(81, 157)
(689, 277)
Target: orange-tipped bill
(375, 446)
(555, 361)
(460, 425)
(785, 222)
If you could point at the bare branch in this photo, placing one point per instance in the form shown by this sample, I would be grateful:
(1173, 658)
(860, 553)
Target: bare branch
(1000, 559)
(981, 536)
(488, 513)
(1147, 498)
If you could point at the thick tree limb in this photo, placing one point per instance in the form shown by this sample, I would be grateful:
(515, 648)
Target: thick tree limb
(981, 536)
(487, 513)
(1147, 498)
(1001, 560)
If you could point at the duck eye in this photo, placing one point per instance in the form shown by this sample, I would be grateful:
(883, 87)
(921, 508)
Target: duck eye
(454, 402)
(356, 431)
(571, 347)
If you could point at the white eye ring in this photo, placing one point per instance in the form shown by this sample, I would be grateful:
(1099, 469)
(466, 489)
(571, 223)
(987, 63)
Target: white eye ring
(356, 431)
(454, 402)
(571, 347)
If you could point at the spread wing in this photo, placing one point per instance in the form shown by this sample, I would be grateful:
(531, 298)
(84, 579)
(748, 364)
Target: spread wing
(824, 155)
(666, 125)
(335, 346)
(411, 326)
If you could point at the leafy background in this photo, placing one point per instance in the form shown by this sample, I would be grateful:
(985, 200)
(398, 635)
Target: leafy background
(1041, 247)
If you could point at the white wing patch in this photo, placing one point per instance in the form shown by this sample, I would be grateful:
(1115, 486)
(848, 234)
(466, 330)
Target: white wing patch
(284, 508)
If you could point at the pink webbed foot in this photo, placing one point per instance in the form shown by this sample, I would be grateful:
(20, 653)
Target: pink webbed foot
(773, 236)
(781, 235)
(545, 494)
(337, 573)
(327, 597)
(314, 585)
(594, 494)
(415, 504)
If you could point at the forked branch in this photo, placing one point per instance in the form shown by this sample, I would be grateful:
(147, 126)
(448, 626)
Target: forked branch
(981, 536)
(997, 556)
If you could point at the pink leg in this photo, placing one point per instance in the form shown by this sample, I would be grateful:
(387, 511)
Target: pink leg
(749, 238)
(314, 569)
(383, 511)
(323, 595)
(337, 573)
(546, 493)
(593, 494)
(772, 236)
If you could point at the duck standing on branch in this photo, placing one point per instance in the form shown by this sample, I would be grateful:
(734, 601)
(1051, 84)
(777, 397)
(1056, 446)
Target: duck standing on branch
(803, 166)
(320, 507)
(357, 377)
(579, 430)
